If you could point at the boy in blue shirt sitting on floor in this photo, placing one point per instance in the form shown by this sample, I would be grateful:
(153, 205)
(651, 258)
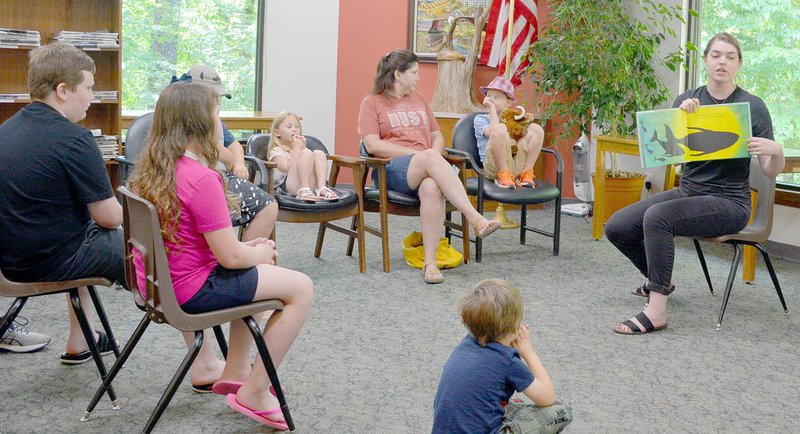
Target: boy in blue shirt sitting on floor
(491, 363)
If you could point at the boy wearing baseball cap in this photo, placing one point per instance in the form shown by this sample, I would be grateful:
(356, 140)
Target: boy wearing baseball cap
(258, 209)
(495, 144)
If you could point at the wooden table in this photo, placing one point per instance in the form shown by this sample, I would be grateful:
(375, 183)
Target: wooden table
(234, 120)
(621, 145)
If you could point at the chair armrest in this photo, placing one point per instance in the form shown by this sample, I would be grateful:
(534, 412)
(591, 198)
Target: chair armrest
(468, 158)
(261, 168)
(346, 160)
(122, 160)
(375, 161)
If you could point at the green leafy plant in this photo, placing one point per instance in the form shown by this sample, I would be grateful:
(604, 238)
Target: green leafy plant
(593, 63)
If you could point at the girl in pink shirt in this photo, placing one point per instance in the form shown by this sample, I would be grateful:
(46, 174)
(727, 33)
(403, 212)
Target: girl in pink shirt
(210, 268)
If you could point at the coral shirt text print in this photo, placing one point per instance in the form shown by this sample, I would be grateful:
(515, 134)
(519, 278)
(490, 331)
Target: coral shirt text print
(403, 118)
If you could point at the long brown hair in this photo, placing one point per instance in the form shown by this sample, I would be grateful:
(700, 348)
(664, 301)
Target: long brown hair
(397, 60)
(185, 113)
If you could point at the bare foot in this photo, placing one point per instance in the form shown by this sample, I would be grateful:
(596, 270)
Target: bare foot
(207, 373)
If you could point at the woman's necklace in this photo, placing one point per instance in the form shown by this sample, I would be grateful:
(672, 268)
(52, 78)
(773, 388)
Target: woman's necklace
(722, 101)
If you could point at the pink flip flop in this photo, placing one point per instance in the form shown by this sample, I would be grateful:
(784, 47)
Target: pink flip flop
(225, 387)
(259, 416)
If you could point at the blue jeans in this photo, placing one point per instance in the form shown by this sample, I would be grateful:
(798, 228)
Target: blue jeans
(645, 231)
(397, 175)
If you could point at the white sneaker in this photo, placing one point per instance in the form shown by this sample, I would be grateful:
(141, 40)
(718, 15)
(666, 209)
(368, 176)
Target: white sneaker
(18, 339)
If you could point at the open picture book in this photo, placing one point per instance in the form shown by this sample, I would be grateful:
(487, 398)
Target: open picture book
(713, 132)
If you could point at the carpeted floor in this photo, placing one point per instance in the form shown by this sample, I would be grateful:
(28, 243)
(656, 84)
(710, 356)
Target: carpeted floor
(370, 355)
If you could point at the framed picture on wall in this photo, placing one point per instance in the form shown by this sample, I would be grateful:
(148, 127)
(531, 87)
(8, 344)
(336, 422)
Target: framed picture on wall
(430, 20)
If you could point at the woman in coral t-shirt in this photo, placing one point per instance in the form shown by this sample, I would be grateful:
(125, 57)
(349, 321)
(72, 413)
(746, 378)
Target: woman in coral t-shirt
(396, 122)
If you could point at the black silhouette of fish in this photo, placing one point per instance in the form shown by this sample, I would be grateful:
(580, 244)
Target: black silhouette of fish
(701, 142)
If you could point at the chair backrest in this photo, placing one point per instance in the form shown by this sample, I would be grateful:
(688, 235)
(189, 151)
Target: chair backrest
(362, 149)
(258, 144)
(143, 231)
(761, 223)
(464, 138)
(137, 135)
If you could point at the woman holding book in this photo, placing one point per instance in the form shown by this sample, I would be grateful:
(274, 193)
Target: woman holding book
(713, 198)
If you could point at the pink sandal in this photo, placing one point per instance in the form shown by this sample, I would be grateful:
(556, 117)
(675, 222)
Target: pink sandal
(259, 416)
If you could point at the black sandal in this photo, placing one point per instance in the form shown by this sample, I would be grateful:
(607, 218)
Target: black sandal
(634, 329)
(103, 345)
(642, 291)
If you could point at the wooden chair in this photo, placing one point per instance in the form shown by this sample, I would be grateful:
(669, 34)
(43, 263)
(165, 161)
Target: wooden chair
(143, 231)
(466, 144)
(386, 202)
(754, 234)
(22, 291)
(292, 210)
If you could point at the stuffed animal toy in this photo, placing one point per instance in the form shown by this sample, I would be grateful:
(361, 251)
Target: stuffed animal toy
(516, 122)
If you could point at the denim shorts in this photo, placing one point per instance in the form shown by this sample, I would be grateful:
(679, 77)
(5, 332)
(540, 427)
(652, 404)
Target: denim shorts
(99, 255)
(397, 175)
(224, 288)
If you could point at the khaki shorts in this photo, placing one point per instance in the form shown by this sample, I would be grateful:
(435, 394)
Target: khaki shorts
(515, 163)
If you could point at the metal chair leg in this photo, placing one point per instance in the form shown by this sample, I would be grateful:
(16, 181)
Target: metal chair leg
(523, 220)
(223, 344)
(88, 334)
(270, 367)
(737, 256)
(352, 240)
(175, 382)
(703, 264)
(101, 313)
(123, 357)
(772, 275)
(11, 314)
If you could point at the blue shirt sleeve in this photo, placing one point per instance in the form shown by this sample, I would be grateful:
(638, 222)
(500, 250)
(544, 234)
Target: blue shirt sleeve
(519, 375)
(227, 136)
(481, 123)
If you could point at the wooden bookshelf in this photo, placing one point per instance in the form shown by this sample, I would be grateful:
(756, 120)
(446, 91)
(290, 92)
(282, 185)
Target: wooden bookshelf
(48, 17)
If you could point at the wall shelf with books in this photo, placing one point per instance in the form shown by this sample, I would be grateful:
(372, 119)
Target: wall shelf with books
(91, 25)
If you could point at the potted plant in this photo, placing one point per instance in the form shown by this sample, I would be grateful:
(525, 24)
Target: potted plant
(594, 64)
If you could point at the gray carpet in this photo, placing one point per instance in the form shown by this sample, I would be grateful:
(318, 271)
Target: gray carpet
(370, 355)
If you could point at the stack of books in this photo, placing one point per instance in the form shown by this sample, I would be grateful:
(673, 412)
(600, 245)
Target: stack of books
(17, 38)
(105, 95)
(109, 145)
(88, 40)
(13, 97)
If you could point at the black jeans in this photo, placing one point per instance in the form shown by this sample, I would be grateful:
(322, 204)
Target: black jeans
(645, 231)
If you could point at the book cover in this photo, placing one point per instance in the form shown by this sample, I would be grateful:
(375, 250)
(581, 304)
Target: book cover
(713, 132)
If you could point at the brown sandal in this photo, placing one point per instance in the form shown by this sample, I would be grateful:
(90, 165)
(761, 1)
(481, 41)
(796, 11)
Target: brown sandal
(486, 229)
(434, 277)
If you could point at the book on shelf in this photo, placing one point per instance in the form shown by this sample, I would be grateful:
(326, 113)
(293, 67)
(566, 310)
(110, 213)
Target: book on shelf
(105, 95)
(88, 40)
(713, 132)
(13, 97)
(19, 38)
(108, 144)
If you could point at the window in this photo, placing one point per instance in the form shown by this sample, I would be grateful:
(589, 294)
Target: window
(162, 38)
(770, 40)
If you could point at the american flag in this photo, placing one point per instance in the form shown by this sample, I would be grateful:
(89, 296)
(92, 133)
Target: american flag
(525, 31)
